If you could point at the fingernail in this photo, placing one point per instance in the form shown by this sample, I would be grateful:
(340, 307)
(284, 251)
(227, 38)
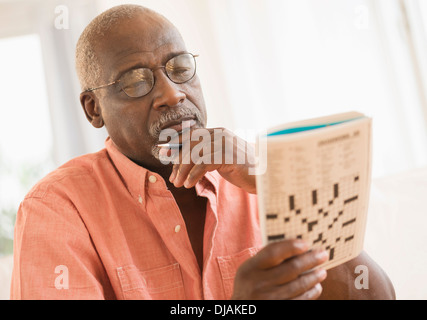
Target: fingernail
(172, 177)
(301, 245)
(314, 291)
(321, 274)
(321, 255)
(187, 184)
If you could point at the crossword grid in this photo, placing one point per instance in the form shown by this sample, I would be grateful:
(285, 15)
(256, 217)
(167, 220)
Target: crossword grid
(325, 217)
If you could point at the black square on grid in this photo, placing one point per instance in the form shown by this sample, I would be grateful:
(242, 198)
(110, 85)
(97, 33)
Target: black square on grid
(308, 210)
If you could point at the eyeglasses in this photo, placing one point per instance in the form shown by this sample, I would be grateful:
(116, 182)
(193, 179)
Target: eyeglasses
(139, 82)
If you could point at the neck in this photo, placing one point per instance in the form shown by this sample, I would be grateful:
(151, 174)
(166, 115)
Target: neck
(163, 170)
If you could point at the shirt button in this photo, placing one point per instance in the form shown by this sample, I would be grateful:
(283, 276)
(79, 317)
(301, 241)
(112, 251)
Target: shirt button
(152, 179)
(140, 199)
(177, 228)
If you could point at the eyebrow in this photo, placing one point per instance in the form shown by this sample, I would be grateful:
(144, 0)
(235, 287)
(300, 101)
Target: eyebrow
(141, 65)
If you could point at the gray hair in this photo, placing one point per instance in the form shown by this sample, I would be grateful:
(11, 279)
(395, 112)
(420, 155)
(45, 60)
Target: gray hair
(87, 62)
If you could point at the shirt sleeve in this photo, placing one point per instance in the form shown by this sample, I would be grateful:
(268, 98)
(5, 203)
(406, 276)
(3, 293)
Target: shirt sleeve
(54, 257)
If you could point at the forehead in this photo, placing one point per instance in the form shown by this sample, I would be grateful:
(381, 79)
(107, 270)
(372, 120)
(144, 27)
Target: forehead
(144, 39)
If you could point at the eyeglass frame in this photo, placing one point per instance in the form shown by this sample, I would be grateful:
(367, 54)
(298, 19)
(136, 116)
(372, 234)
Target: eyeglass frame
(152, 71)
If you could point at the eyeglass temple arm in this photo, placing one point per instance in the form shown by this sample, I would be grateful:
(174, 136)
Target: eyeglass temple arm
(104, 86)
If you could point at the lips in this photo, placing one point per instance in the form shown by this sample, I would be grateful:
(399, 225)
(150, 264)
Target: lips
(179, 125)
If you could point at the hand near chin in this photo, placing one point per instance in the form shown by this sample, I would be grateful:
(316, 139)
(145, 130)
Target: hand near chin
(206, 150)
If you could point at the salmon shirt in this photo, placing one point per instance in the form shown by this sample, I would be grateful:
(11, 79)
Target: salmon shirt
(102, 227)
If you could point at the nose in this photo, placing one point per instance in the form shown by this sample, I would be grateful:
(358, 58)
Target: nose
(167, 93)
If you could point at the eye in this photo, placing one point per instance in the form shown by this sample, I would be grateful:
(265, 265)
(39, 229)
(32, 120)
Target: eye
(137, 82)
(134, 84)
(180, 70)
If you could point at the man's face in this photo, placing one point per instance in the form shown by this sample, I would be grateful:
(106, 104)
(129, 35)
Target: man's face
(133, 123)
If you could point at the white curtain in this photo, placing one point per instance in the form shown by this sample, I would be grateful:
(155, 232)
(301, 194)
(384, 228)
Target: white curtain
(290, 60)
(267, 62)
(59, 31)
(72, 134)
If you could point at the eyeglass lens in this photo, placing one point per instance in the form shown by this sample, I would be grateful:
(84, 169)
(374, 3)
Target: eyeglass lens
(139, 82)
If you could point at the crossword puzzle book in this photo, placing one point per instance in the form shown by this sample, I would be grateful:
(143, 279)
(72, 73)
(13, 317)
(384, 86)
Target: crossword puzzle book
(316, 184)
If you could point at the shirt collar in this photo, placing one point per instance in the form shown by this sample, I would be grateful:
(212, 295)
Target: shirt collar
(138, 179)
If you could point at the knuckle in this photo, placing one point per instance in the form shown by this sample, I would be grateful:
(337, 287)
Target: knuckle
(260, 287)
(274, 249)
(307, 281)
(277, 248)
(245, 269)
(313, 293)
(304, 283)
(295, 265)
(315, 260)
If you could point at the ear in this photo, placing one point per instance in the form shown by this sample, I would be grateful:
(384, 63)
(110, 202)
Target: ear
(90, 104)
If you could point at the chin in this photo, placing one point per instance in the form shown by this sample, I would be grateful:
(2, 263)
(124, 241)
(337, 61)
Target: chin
(155, 151)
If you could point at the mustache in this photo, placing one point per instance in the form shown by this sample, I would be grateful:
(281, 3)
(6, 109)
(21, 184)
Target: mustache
(174, 115)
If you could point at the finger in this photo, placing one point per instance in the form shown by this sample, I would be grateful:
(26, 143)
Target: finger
(174, 172)
(197, 173)
(294, 267)
(189, 155)
(302, 284)
(275, 253)
(299, 288)
(312, 294)
(181, 158)
(181, 174)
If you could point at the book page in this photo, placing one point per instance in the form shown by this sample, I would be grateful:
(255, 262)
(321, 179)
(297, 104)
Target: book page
(316, 188)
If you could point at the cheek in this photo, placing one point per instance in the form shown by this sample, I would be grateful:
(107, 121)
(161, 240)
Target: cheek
(195, 95)
(127, 124)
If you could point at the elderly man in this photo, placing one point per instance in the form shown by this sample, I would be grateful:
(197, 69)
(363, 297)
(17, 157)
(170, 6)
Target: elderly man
(120, 224)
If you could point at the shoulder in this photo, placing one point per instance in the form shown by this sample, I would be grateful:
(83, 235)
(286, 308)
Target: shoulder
(52, 205)
(70, 176)
(358, 279)
(60, 194)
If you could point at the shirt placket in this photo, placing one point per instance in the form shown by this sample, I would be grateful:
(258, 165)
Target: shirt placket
(168, 221)
(210, 274)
